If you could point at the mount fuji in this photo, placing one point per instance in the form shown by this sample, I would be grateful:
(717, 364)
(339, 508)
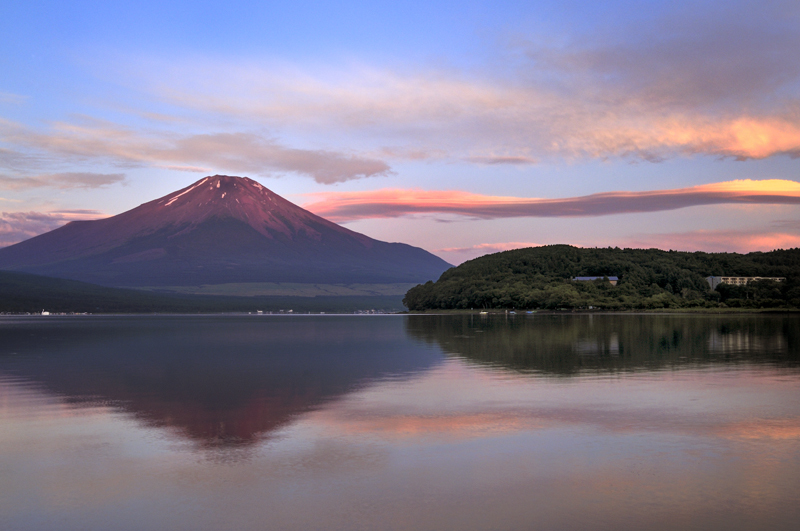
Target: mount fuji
(219, 230)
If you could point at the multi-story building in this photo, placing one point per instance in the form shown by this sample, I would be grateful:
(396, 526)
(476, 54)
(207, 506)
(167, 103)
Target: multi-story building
(738, 281)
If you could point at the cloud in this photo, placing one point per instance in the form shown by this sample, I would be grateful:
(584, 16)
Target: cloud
(193, 169)
(16, 161)
(718, 55)
(714, 80)
(457, 255)
(249, 153)
(226, 152)
(61, 180)
(14, 99)
(502, 160)
(18, 226)
(387, 203)
(716, 241)
(489, 247)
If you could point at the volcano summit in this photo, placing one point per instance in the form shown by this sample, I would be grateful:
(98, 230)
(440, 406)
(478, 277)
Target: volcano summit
(219, 230)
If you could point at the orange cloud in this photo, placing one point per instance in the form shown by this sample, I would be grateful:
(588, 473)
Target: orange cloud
(743, 137)
(388, 203)
(609, 102)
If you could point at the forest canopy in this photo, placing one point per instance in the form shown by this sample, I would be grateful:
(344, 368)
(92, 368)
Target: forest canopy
(541, 278)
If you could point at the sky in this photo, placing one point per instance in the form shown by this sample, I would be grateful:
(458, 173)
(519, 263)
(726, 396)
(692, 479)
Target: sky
(464, 128)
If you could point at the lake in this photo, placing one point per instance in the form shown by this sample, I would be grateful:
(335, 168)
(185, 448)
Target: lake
(556, 422)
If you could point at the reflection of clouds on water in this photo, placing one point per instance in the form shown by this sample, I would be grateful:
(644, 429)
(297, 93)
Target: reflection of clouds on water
(776, 429)
(465, 443)
(461, 401)
(236, 384)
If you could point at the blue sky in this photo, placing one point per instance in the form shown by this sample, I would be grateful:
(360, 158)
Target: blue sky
(106, 105)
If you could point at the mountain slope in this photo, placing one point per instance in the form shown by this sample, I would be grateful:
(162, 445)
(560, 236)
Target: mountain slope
(219, 230)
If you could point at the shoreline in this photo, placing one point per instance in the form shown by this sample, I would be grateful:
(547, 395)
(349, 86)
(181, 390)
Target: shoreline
(523, 313)
(659, 311)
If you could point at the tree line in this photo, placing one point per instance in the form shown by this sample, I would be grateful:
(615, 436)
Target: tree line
(541, 278)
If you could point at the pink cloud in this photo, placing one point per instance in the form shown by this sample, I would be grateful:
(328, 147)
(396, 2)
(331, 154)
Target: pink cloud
(691, 90)
(716, 241)
(493, 247)
(388, 203)
(457, 255)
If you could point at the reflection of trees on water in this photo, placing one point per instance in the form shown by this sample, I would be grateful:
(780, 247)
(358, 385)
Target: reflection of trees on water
(221, 382)
(231, 382)
(572, 344)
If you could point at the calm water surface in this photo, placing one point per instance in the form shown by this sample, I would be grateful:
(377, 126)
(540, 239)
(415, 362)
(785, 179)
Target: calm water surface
(400, 422)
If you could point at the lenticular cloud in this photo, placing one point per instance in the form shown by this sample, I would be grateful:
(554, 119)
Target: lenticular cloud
(389, 203)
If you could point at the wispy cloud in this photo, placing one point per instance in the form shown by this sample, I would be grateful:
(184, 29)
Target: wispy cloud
(723, 84)
(502, 160)
(193, 169)
(225, 152)
(488, 247)
(713, 241)
(18, 226)
(15, 99)
(61, 180)
(349, 206)
(716, 241)
(473, 120)
(714, 57)
(457, 255)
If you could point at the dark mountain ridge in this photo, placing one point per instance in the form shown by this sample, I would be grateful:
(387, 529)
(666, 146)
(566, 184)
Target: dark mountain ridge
(221, 229)
(26, 293)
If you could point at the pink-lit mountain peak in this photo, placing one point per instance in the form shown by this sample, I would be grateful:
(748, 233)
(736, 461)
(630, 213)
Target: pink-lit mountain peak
(218, 230)
(222, 196)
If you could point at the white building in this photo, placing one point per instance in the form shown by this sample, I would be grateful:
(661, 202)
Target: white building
(738, 281)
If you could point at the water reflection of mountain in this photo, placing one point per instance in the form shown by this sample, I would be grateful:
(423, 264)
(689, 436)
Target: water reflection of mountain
(217, 380)
(574, 344)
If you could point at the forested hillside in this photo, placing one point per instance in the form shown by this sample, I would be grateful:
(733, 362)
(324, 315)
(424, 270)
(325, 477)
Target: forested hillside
(540, 277)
